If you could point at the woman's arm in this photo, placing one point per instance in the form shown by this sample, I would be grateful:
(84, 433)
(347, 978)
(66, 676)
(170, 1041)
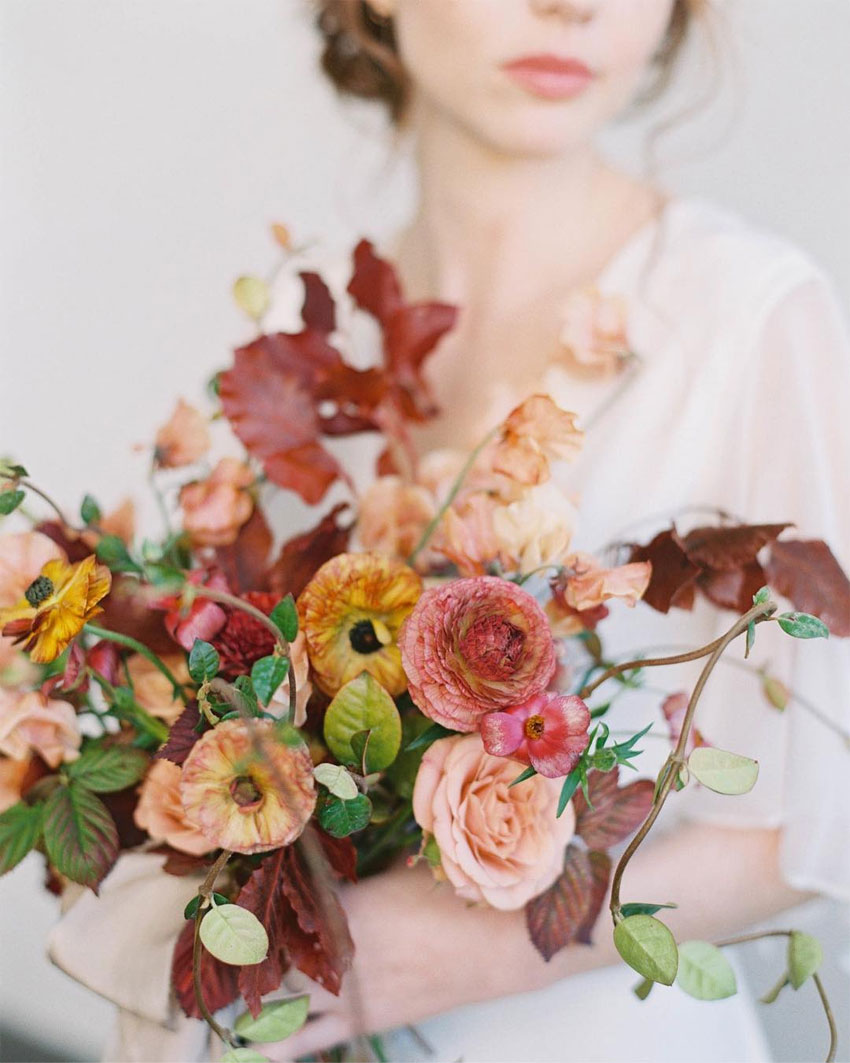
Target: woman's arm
(420, 950)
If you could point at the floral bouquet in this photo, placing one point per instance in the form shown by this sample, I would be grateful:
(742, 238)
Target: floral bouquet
(413, 677)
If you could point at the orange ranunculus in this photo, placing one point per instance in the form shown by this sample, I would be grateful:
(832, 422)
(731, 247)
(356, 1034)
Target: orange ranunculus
(593, 330)
(244, 801)
(55, 606)
(152, 689)
(393, 515)
(351, 611)
(183, 439)
(534, 433)
(160, 811)
(33, 723)
(216, 508)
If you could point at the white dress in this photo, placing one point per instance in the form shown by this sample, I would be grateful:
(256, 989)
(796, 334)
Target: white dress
(739, 403)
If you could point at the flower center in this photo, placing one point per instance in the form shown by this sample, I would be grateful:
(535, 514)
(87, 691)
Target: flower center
(244, 791)
(535, 726)
(39, 590)
(493, 646)
(364, 638)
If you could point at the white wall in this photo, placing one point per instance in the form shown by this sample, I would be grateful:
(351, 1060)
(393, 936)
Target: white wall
(146, 147)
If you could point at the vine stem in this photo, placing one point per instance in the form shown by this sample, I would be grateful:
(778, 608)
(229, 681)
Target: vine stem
(138, 647)
(676, 760)
(648, 662)
(53, 505)
(205, 892)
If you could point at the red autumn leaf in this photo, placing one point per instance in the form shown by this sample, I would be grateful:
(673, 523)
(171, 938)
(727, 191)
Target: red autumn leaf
(182, 736)
(318, 310)
(807, 573)
(302, 556)
(261, 895)
(219, 980)
(673, 573)
(245, 562)
(729, 546)
(733, 588)
(600, 872)
(556, 916)
(351, 399)
(385, 464)
(374, 284)
(617, 811)
(341, 854)
(179, 864)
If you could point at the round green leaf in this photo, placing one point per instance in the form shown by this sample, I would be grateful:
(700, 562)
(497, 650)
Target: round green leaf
(341, 818)
(267, 674)
(234, 935)
(243, 1055)
(10, 500)
(337, 780)
(725, 773)
(251, 295)
(805, 956)
(803, 626)
(90, 511)
(704, 972)
(285, 617)
(363, 705)
(204, 661)
(276, 1021)
(648, 947)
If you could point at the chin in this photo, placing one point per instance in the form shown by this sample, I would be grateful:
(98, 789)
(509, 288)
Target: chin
(531, 132)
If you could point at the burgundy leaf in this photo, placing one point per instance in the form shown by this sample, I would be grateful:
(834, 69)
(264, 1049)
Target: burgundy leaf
(807, 573)
(556, 916)
(318, 310)
(617, 811)
(673, 573)
(302, 556)
(121, 804)
(374, 284)
(219, 980)
(245, 562)
(600, 872)
(733, 588)
(261, 895)
(341, 855)
(179, 864)
(182, 736)
(729, 546)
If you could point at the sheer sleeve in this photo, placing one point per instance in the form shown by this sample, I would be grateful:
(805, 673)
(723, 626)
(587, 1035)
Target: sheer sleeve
(790, 461)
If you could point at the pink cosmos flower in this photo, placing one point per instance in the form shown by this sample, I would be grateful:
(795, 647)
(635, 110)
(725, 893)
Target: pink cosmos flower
(593, 329)
(549, 732)
(216, 508)
(536, 432)
(472, 646)
(183, 439)
(498, 843)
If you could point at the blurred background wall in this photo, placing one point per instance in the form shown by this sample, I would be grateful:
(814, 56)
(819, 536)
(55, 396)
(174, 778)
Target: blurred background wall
(146, 147)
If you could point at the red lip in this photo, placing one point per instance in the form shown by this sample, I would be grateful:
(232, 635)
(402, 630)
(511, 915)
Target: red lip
(549, 76)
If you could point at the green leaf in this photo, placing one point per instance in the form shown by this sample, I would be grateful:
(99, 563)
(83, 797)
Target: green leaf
(761, 596)
(79, 834)
(723, 772)
(284, 616)
(805, 956)
(252, 296)
(523, 775)
(267, 674)
(276, 1021)
(363, 705)
(204, 661)
(234, 935)
(772, 994)
(643, 989)
(12, 472)
(803, 626)
(112, 552)
(20, 831)
(751, 638)
(648, 947)
(704, 972)
(191, 909)
(341, 818)
(110, 769)
(638, 908)
(246, 688)
(430, 735)
(337, 780)
(243, 1055)
(90, 512)
(570, 786)
(10, 500)
(359, 745)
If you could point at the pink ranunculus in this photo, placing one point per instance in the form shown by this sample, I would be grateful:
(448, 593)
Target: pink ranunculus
(216, 508)
(498, 843)
(183, 439)
(393, 514)
(160, 811)
(549, 732)
(536, 432)
(33, 723)
(593, 329)
(472, 646)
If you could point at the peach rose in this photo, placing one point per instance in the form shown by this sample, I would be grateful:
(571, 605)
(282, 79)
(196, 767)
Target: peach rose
(593, 329)
(152, 690)
(393, 515)
(160, 811)
(216, 508)
(498, 844)
(183, 439)
(31, 722)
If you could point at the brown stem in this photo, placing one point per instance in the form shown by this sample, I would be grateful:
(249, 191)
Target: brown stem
(647, 662)
(205, 892)
(53, 505)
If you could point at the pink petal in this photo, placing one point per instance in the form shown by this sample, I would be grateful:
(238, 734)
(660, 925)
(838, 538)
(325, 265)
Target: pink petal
(501, 733)
(564, 738)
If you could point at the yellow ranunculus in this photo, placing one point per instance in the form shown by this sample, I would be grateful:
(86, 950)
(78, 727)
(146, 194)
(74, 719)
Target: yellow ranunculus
(55, 606)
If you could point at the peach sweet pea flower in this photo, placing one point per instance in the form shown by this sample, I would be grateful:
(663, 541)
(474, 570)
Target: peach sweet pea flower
(233, 794)
(593, 329)
(160, 811)
(499, 844)
(33, 723)
(183, 439)
(216, 508)
(467, 535)
(582, 589)
(393, 514)
(151, 688)
(533, 434)
(536, 529)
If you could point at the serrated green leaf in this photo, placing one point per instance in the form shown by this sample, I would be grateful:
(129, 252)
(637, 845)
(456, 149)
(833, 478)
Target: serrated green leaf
(363, 705)
(648, 947)
(276, 1021)
(337, 781)
(105, 770)
(234, 935)
(204, 661)
(246, 688)
(267, 674)
(90, 512)
(638, 908)
(723, 772)
(284, 616)
(805, 956)
(20, 831)
(704, 972)
(79, 834)
(341, 818)
(803, 626)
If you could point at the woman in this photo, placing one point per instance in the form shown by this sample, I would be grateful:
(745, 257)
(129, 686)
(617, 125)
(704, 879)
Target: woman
(741, 349)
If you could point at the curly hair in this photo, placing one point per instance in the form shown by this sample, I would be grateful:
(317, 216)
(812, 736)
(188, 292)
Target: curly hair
(361, 58)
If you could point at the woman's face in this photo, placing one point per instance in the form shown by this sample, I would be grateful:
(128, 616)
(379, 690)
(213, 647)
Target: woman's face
(527, 77)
